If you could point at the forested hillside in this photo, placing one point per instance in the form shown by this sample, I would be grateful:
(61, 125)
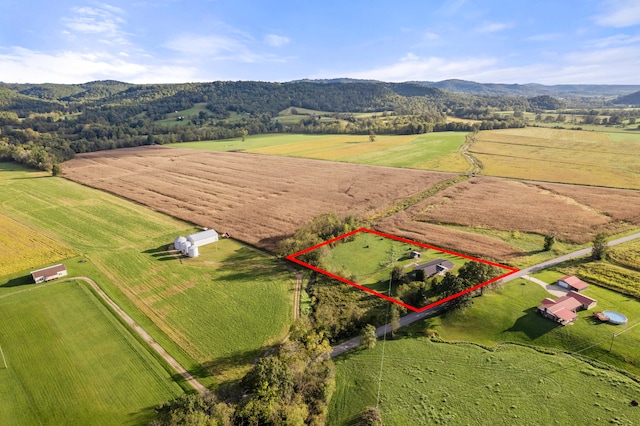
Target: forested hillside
(44, 124)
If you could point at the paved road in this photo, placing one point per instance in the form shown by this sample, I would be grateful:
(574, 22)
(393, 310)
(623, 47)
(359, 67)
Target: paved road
(415, 316)
(145, 336)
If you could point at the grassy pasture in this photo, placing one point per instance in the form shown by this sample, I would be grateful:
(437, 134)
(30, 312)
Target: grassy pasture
(437, 383)
(171, 118)
(22, 248)
(209, 312)
(550, 155)
(509, 315)
(431, 151)
(71, 362)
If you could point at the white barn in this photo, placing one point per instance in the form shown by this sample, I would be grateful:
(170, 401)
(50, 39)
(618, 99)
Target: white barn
(49, 273)
(203, 238)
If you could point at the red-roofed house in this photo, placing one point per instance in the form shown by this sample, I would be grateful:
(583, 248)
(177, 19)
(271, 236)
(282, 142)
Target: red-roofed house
(563, 309)
(572, 283)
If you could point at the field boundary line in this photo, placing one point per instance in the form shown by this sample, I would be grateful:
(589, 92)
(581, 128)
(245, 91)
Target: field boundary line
(199, 387)
(4, 360)
(146, 337)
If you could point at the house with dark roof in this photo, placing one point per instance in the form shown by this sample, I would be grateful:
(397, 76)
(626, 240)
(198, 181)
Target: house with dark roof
(434, 267)
(563, 309)
(572, 283)
(49, 273)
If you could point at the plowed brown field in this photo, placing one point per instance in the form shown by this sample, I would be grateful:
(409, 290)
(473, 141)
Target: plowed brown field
(258, 199)
(261, 199)
(572, 213)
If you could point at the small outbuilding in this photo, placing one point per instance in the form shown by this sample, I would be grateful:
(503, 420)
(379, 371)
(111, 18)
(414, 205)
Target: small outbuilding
(203, 238)
(49, 273)
(415, 254)
(572, 283)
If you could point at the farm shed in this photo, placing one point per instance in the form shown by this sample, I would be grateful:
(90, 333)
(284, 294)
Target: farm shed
(434, 267)
(563, 309)
(49, 273)
(572, 283)
(203, 238)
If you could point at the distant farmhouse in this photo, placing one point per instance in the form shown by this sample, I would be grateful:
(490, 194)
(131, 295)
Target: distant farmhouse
(434, 267)
(563, 309)
(572, 283)
(49, 273)
(189, 245)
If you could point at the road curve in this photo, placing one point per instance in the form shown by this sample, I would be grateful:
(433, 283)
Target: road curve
(201, 389)
(415, 316)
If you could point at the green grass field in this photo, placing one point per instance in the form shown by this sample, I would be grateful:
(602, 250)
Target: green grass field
(509, 315)
(606, 159)
(214, 314)
(171, 118)
(368, 259)
(437, 383)
(431, 151)
(69, 361)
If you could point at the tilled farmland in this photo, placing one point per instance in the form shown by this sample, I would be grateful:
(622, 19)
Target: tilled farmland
(255, 198)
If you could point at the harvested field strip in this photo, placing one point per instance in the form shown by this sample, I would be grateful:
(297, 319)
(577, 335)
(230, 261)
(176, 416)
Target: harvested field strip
(511, 206)
(549, 155)
(22, 248)
(429, 151)
(256, 198)
(402, 225)
(405, 204)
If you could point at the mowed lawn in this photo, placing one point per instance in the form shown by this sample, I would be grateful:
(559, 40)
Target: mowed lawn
(430, 151)
(70, 362)
(606, 159)
(423, 382)
(367, 259)
(214, 314)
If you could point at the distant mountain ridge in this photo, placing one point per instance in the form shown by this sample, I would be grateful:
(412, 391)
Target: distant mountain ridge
(503, 89)
(630, 99)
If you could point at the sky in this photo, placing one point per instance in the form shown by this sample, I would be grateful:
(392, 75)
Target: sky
(176, 41)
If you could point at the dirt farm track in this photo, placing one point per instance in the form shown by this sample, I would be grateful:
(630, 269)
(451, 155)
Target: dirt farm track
(256, 198)
(260, 199)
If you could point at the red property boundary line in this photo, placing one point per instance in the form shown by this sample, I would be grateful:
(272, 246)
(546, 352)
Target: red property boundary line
(293, 258)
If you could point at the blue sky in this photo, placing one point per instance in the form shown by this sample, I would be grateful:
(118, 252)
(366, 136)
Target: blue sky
(167, 41)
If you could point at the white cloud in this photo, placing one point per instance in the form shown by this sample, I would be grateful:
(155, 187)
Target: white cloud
(618, 39)
(276, 40)
(91, 20)
(431, 36)
(451, 6)
(619, 13)
(413, 67)
(21, 65)
(492, 27)
(596, 66)
(218, 47)
(544, 37)
(103, 24)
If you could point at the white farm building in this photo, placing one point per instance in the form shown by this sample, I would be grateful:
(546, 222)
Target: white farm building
(203, 238)
(189, 245)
